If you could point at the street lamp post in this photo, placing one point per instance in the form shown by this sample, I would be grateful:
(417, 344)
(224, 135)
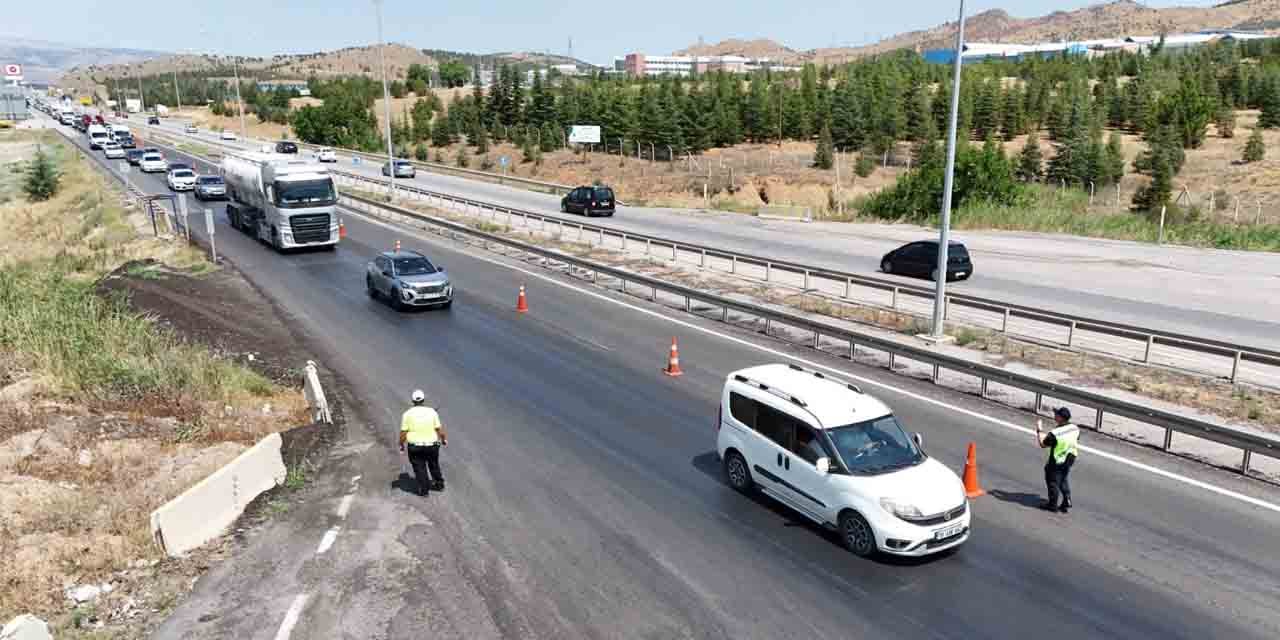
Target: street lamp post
(142, 99)
(944, 228)
(386, 102)
(235, 70)
(176, 93)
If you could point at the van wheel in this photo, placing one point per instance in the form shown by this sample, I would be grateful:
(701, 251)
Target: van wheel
(886, 266)
(739, 476)
(856, 534)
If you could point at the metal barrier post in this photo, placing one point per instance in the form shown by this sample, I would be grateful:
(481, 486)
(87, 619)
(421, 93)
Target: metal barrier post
(768, 269)
(1071, 332)
(1168, 438)
(1235, 366)
(806, 279)
(894, 303)
(1146, 357)
(1005, 327)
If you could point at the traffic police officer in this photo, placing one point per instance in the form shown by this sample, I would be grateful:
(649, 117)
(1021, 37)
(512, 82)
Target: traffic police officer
(1062, 443)
(422, 432)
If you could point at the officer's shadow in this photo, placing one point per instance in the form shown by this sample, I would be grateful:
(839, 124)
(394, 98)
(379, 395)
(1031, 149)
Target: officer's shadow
(405, 483)
(1033, 500)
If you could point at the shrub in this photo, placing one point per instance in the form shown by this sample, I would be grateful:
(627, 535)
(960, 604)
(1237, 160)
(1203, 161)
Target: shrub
(43, 179)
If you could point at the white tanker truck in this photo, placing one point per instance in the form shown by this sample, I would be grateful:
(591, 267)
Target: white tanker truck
(278, 199)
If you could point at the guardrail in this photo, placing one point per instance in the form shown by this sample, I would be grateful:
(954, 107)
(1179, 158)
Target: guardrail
(1148, 338)
(1247, 443)
(1073, 323)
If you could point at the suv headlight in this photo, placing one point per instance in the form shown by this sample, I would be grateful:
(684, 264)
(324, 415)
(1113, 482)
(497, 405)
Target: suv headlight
(901, 509)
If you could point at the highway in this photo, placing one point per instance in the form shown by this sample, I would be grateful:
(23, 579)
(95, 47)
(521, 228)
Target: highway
(584, 499)
(1225, 295)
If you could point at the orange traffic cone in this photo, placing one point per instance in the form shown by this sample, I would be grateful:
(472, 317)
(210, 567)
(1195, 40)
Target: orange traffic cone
(522, 305)
(971, 487)
(342, 229)
(673, 362)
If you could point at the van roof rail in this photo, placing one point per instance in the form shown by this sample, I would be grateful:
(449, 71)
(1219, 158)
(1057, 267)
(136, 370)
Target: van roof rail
(821, 376)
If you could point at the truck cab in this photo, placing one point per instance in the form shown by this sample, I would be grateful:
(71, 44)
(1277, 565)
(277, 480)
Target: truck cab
(285, 202)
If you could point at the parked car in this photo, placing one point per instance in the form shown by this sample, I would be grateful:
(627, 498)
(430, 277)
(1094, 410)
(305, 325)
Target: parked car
(181, 165)
(921, 259)
(325, 155)
(404, 169)
(210, 188)
(134, 156)
(113, 150)
(227, 134)
(408, 279)
(284, 146)
(153, 120)
(589, 201)
(839, 457)
(181, 179)
(191, 128)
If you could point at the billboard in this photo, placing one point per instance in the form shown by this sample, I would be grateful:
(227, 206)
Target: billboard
(12, 72)
(584, 134)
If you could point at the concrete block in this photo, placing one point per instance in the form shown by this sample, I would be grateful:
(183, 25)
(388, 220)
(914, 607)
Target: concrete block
(26, 627)
(204, 511)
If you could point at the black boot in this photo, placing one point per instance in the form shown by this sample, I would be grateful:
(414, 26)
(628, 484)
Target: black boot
(1066, 505)
(438, 485)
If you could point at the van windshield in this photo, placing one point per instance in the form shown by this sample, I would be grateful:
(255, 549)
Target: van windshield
(875, 446)
(305, 193)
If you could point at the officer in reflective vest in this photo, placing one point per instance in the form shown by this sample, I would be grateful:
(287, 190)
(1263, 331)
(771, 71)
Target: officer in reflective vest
(422, 432)
(1062, 443)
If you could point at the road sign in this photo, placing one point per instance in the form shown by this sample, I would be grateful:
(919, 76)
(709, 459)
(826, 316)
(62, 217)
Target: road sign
(124, 167)
(504, 161)
(208, 221)
(208, 226)
(13, 72)
(584, 134)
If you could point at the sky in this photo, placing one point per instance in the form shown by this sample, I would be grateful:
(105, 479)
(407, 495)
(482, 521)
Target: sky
(600, 30)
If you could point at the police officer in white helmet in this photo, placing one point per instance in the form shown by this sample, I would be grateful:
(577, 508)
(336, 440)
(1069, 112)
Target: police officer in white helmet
(423, 434)
(1063, 444)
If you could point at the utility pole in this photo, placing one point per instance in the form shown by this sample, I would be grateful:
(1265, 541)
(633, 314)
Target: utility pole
(386, 102)
(944, 228)
(176, 94)
(235, 69)
(142, 99)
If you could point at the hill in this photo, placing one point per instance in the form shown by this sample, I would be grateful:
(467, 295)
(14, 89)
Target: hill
(1110, 20)
(44, 61)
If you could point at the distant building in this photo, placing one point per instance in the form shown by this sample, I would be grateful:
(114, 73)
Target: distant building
(642, 65)
(300, 86)
(979, 51)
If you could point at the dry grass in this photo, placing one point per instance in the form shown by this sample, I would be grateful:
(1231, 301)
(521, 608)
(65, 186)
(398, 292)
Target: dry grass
(105, 416)
(205, 120)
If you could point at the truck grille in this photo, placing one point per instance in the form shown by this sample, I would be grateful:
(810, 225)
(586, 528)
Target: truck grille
(310, 228)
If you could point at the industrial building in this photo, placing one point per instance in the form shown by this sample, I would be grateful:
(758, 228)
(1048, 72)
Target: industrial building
(641, 65)
(979, 51)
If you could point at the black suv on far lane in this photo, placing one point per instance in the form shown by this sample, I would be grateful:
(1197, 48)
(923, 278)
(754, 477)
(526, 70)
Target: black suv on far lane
(921, 259)
(589, 201)
(284, 146)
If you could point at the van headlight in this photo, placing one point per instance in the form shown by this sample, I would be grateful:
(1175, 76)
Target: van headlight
(901, 509)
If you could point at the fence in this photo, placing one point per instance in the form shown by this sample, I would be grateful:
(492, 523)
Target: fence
(1247, 443)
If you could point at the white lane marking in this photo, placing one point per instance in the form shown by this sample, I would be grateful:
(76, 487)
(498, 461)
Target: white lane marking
(914, 396)
(327, 541)
(291, 618)
(345, 505)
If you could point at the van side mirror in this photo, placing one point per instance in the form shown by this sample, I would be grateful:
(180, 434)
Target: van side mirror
(824, 465)
(919, 439)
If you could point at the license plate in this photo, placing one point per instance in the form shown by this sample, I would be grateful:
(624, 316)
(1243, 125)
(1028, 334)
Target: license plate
(432, 295)
(943, 534)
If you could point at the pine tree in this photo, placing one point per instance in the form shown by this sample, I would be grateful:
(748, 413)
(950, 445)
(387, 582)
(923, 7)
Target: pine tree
(1270, 103)
(1014, 121)
(1225, 122)
(822, 157)
(1255, 149)
(420, 152)
(918, 113)
(1113, 159)
(43, 179)
(463, 159)
(440, 131)
(986, 112)
(530, 151)
(1151, 197)
(420, 115)
(865, 166)
(482, 139)
(1030, 161)
(550, 137)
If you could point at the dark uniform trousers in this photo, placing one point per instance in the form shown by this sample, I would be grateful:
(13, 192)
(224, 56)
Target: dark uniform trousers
(1055, 478)
(426, 458)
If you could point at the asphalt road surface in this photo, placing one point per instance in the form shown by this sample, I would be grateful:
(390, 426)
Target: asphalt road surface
(584, 499)
(1225, 295)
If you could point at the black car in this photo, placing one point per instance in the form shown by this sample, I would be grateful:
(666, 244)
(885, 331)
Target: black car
(134, 156)
(284, 146)
(153, 120)
(921, 259)
(589, 201)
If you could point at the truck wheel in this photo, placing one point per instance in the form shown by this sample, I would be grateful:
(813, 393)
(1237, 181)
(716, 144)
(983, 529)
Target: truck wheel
(275, 239)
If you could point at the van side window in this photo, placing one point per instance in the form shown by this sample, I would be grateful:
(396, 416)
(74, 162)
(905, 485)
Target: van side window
(776, 426)
(743, 409)
(808, 445)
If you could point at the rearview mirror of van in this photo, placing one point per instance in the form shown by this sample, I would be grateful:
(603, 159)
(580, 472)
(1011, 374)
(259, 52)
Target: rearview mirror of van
(824, 465)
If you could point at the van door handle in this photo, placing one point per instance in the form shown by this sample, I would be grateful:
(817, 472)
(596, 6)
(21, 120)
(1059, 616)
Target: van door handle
(779, 459)
(786, 462)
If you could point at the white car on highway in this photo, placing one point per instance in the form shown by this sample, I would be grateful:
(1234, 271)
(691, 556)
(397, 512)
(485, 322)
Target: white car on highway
(191, 128)
(112, 150)
(325, 155)
(153, 162)
(182, 179)
(227, 134)
(840, 458)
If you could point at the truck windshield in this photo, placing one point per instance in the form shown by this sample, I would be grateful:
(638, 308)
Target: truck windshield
(305, 193)
(875, 446)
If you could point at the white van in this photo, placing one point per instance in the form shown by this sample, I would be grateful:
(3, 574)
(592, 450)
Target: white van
(98, 135)
(840, 458)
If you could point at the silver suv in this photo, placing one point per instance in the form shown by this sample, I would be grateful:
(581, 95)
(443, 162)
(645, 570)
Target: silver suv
(408, 279)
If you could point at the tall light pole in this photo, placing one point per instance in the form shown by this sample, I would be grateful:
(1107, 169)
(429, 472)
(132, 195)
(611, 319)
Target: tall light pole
(176, 94)
(235, 70)
(944, 228)
(386, 103)
(142, 98)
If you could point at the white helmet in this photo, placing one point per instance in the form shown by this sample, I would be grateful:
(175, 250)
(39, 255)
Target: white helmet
(418, 396)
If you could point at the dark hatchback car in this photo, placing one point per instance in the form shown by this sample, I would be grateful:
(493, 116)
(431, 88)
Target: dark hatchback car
(921, 259)
(589, 201)
(285, 146)
(134, 156)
